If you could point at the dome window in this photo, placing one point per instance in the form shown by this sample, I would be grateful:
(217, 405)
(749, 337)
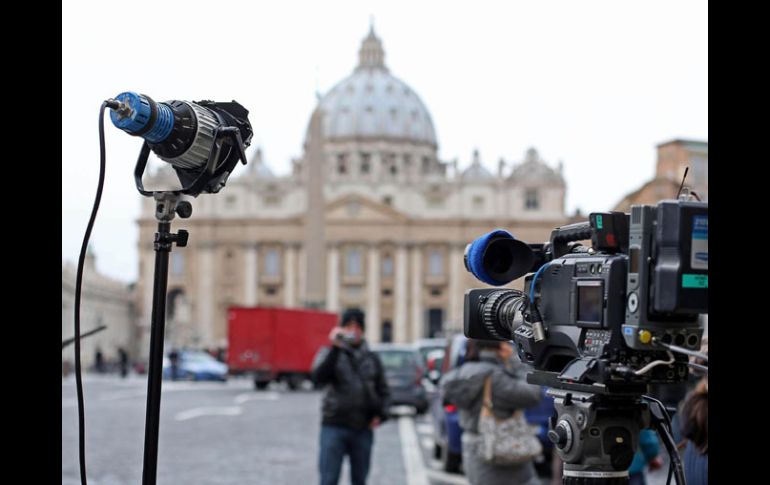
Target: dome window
(531, 200)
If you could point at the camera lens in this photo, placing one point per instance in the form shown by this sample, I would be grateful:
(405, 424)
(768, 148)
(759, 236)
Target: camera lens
(498, 312)
(679, 339)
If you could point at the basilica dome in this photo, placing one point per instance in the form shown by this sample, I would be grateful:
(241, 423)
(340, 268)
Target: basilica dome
(372, 104)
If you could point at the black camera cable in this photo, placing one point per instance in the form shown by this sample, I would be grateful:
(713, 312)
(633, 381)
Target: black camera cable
(664, 427)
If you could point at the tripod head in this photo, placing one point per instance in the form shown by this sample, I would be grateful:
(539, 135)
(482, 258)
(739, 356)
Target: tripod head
(596, 429)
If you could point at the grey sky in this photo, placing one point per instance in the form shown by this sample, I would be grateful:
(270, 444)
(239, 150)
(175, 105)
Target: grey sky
(594, 84)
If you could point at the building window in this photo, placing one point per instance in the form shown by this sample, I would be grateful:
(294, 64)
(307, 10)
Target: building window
(387, 292)
(387, 200)
(390, 163)
(271, 290)
(435, 292)
(531, 200)
(272, 262)
(436, 263)
(272, 201)
(478, 202)
(435, 322)
(353, 262)
(425, 164)
(387, 265)
(230, 201)
(342, 165)
(387, 331)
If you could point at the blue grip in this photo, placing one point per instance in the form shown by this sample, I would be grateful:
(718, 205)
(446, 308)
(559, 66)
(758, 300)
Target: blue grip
(136, 118)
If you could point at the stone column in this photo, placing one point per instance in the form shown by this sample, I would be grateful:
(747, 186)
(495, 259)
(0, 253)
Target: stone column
(400, 333)
(251, 279)
(373, 323)
(456, 291)
(290, 276)
(333, 281)
(204, 332)
(417, 320)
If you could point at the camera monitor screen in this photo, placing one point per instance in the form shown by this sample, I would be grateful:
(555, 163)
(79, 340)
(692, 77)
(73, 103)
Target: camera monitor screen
(590, 302)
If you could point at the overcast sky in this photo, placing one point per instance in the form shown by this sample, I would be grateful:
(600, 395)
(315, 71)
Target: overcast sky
(593, 84)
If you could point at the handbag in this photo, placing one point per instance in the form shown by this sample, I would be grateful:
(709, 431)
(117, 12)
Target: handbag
(506, 441)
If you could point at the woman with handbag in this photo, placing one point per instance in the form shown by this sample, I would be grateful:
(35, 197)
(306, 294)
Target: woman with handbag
(491, 392)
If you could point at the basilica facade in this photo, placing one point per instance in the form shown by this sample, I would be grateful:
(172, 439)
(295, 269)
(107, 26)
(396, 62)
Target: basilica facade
(369, 217)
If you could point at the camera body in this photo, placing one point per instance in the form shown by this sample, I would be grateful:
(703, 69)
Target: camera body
(347, 337)
(596, 315)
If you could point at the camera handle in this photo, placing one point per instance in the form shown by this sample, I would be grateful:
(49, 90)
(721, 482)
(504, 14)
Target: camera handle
(168, 204)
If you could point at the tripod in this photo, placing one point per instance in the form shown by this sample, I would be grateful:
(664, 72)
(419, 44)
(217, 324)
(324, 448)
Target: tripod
(596, 430)
(168, 204)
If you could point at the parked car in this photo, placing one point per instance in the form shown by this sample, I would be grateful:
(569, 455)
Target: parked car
(196, 365)
(432, 352)
(404, 373)
(446, 426)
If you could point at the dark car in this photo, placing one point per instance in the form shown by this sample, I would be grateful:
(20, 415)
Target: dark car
(432, 352)
(446, 426)
(404, 373)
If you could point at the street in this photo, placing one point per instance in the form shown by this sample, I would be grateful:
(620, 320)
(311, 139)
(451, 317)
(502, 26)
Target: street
(226, 433)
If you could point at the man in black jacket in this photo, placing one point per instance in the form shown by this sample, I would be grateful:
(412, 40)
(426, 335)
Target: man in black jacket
(355, 400)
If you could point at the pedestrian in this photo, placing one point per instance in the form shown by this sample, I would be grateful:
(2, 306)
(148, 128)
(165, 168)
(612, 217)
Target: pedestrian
(355, 400)
(173, 358)
(494, 362)
(99, 360)
(123, 357)
(695, 430)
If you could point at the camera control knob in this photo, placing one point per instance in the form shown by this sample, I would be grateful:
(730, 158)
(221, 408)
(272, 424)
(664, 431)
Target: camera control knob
(561, 436)
(645, 336)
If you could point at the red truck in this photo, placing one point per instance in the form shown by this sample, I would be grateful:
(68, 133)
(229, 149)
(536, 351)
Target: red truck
(276, 343)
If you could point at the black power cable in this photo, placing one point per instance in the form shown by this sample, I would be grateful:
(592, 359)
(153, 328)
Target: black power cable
(78, 288)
